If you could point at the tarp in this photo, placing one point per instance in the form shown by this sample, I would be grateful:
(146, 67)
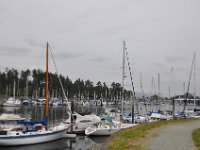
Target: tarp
(44, 121)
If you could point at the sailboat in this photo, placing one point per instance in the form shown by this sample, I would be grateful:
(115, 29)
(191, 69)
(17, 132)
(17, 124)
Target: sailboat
(33, 132)
(108, 126)
(12, 102)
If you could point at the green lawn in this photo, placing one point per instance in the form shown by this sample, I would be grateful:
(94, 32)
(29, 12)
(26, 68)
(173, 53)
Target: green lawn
(132, 138)
(196, 137)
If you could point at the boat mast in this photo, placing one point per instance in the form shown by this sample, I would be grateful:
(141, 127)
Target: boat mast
(47, 88)
(194, 79)
(123, 75)
(188, 87)
(159, 99)
(14, 90)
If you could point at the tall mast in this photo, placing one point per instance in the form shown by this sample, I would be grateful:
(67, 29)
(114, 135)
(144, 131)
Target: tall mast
(123, 75)
(194, 79)
(141, 85)
(14, 90)
(47, 84)
(159, 100)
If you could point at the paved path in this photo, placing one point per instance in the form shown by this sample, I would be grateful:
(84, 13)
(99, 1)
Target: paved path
(174, 137)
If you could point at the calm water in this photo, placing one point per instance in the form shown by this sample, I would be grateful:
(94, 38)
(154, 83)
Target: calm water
(59, 114)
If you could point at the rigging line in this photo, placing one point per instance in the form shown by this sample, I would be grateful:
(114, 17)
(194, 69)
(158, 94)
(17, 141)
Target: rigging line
(188, 87)
(130, 74)
(58, 75)
(133, 116)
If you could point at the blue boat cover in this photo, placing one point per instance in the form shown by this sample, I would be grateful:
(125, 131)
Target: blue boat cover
(44, 121)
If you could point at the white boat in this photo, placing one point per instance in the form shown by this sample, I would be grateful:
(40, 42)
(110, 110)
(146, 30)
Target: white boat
(96, 103)
(20, 136)
(85, 103)
(127, 102)
(104, 128)
(111, 103)
(158, 116)
(26, 101)
(139, 119)
(80, 123)
(113, 113)
(66, 103)
(33, 132)
(11, 117)
(11, 102)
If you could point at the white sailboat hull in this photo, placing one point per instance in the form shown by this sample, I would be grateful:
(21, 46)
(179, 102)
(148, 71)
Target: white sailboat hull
(33, 139)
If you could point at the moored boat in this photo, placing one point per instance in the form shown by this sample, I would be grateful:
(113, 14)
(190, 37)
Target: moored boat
(104, 128)
(33, 132)
(80, 123)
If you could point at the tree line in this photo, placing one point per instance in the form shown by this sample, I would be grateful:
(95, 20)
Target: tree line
(31, 83)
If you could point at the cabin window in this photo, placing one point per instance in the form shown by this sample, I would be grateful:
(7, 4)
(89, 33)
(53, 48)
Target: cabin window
(3, 132)
(74, 117)
(17, 133)
(38, 128)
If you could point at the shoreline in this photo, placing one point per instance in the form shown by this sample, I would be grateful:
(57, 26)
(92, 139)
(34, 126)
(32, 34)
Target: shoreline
(139, 139)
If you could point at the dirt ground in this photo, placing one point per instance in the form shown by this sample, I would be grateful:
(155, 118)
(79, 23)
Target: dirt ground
(173, 137)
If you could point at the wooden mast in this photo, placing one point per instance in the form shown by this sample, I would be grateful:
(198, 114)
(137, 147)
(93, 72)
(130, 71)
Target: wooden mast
(47, 84)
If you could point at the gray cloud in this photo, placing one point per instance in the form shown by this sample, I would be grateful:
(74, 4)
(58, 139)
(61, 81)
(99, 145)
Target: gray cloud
(175, 58)
(100, 59)
(11, 51)
(67, 55)
(34, 43)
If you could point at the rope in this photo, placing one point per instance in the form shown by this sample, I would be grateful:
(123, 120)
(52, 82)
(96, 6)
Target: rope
(58, 76)
(130, 75)
(188, 87)
(133, 116)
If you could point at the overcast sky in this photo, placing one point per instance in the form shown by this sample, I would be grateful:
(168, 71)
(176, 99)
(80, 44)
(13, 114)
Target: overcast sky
(86, 38)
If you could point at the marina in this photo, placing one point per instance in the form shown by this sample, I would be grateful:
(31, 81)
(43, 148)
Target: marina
(99, 75)
(59, 114)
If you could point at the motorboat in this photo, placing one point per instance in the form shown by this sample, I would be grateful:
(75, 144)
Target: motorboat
(80, 123)
(104, 128)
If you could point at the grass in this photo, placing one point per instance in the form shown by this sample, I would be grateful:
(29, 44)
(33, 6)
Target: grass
(196, 138)
(133, 138)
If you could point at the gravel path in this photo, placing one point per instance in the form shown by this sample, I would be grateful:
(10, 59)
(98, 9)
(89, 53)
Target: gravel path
(174, 137)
